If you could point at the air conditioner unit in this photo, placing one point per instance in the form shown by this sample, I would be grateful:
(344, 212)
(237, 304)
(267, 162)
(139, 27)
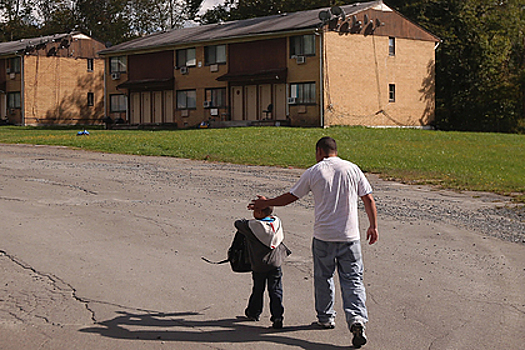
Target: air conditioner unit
(292, 100)
(115, 76)
(183, 70)
(300, 59)
(12, 75)
(214, 68)
(8, 70)
(207, 104)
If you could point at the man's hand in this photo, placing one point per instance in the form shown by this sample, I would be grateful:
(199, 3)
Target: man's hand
(259, 203)
(372, 235)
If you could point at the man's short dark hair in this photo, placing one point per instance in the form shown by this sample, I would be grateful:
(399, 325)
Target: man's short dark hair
(327, 145)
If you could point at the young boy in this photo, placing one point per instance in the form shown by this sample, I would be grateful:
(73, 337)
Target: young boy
(264, 236)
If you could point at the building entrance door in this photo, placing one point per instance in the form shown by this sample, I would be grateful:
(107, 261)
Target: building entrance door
(157, 107)
(279, 101)
(168, 106)
(250, 101)
(3, 105)
(237, 103)
(265, 100)
(134, 115)
(145, 105)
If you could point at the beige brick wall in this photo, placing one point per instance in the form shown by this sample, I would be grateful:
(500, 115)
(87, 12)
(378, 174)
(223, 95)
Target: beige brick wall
(56, 90)
(199, 78)
(358, 72)
(111, 89)
(306, 115)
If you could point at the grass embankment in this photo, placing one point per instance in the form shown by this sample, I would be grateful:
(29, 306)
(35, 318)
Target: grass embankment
(455, 160)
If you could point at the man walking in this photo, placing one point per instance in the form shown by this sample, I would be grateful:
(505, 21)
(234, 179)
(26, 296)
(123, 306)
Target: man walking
(336, 185)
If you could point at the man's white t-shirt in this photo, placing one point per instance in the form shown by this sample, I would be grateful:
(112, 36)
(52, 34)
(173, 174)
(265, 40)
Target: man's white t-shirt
(336, 185)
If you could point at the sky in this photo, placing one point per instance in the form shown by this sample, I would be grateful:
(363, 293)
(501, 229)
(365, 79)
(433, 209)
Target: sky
(208, 4)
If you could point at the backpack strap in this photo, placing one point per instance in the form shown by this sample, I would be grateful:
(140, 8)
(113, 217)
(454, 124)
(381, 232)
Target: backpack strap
(215, 262)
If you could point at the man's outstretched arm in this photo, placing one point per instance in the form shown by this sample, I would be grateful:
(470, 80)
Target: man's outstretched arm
(262, 202)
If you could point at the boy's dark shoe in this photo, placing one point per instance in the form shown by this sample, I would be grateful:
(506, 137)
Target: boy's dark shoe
(277, 323)
(330, 324)
(358, 330)
(251, 317)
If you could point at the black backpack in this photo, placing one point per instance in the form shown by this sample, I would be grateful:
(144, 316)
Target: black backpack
(237, 255)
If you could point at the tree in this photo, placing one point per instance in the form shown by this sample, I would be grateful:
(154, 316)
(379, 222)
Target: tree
(58, 16)
(516, 62)
(111, 21)
(18, 20)
(243, 9)
(106, 20)
(149, 16)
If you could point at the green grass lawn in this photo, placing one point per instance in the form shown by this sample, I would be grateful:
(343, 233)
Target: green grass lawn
(455, 160)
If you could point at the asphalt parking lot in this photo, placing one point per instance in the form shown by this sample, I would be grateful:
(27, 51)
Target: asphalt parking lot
(101, 251)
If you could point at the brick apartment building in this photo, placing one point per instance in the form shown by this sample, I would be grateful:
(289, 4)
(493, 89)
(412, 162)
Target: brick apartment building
(359, 64)
(52, 80)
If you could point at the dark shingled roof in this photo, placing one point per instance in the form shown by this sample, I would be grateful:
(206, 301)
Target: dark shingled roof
(18, 46)
(235, 29)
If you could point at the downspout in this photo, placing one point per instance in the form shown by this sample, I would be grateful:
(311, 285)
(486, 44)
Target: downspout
(22, 91)
(105, 88)
(128, 105)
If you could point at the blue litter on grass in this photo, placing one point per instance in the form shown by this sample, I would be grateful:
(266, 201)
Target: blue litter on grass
(80, 133)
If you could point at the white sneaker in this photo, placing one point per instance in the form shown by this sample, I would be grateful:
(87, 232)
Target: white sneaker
(358, 330)
(330, 324)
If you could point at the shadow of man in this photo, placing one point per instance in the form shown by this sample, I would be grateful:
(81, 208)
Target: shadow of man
(177, 328)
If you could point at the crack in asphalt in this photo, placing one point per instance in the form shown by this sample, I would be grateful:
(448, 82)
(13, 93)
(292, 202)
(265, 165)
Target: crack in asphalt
(45, 181)
(12, 199)
(55, 281)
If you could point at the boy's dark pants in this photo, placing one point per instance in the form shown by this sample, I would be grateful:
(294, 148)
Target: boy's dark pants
(275, 291)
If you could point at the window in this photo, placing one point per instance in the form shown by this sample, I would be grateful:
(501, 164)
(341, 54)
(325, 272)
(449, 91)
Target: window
(118, 64)
(302, 45)
(216, 97)
(118, 103)
(214, 54)
(90, 99)
(186, 99)
(90, 64)
(14, 65)
(186, 58)
(392, 46)
(391, 92)
(303, 93)
(13, 100)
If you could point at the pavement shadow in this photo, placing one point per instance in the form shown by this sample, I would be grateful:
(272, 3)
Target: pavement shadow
(175, 327)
